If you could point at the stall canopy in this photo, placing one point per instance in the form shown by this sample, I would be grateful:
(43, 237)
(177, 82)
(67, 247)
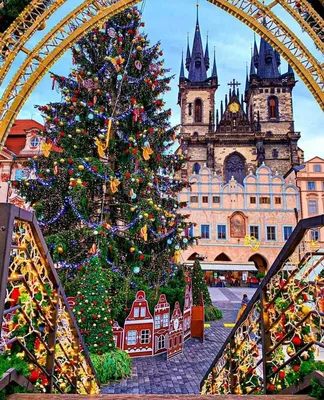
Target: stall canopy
(227, 266)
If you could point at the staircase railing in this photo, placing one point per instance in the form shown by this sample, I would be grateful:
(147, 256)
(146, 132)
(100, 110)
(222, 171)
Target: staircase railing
(279, 337)
(36, 322)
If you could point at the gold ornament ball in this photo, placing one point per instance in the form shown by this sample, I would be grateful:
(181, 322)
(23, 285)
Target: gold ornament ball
(60, 250)
(132, 249)
(61, 123)
(80, 167)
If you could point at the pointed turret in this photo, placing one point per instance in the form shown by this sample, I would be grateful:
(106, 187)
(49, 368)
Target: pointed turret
(207, 61)
(197, 67)
(214, 71)
(182, 72)
(255, 54)
(268, 61)
(188, 56)
(247, 79)
(252, 67)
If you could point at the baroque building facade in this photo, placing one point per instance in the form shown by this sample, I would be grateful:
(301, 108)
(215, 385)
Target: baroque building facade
(248, 129)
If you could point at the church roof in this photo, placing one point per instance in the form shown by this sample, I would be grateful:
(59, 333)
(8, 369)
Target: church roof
(233, 116)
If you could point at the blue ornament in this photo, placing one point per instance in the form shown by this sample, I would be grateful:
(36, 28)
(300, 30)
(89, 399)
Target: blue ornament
(90, 116)
(185, 240)
(136, 270)
(146, 144)
(177, 247)
(165, 143)
(77, 118)
(134, 196)
(119, 77)
(169, 241)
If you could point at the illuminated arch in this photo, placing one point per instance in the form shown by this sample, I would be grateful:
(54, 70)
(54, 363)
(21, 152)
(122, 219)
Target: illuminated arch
(52, 46)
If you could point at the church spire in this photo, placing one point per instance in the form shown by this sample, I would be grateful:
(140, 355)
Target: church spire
(268, 60)
(252, 65)
(207, 61)
(246, 79)
(188, 56)
(214, 71)
(255, 54)
(182, 73)
(197, 67)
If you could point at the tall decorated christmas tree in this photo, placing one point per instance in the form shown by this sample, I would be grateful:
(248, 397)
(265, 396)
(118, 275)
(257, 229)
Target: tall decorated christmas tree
(105, 186)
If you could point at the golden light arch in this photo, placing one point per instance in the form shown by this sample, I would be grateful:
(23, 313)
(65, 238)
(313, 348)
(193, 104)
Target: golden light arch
(90, 13)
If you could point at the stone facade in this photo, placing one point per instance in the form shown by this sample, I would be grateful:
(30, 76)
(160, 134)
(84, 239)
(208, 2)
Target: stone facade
(264, 207)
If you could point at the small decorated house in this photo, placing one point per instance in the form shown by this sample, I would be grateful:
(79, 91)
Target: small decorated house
(161, 325)
(176, 332)
(138, 328)
(187, 312)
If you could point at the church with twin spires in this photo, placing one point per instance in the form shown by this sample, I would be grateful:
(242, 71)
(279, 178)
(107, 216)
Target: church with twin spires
(253, 127)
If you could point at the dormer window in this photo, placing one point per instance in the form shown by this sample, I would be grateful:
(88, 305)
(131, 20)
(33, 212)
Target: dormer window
(34, 141)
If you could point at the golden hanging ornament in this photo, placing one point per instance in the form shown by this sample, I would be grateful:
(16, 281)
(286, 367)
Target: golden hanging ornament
(114, 185)
(176, 257)
(147, 151)
(102, 146)
(143, 233)
(46, 147)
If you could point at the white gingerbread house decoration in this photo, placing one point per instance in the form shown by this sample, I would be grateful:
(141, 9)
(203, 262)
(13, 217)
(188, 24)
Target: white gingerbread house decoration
(161, 325)
(175, 332)
(139, 329)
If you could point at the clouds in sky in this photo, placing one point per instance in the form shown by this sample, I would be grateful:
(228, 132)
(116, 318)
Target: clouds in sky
(169, 21)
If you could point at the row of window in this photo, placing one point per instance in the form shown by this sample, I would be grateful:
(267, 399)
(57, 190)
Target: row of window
(254, 230)
(311, 185)
(216, 199)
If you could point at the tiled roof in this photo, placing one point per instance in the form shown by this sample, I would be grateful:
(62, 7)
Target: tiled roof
(22, 125)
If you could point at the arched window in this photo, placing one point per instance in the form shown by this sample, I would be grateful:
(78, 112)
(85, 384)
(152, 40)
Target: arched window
(273, 107)
(198, 110)
(195, 135)
(275, 154)
(196, 168)
(235, 166)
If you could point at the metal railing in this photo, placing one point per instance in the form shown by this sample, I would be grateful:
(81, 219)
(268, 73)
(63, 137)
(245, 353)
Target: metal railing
(281, 327)
(35, 319)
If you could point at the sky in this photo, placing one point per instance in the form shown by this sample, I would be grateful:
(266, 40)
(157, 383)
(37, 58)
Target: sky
(169, 22)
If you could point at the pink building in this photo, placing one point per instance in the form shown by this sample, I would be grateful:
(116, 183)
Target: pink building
(242, 227)
(23, 142)
(309, 179)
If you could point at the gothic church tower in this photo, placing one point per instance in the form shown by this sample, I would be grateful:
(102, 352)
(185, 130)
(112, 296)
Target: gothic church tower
(247, 130)
(197, 93)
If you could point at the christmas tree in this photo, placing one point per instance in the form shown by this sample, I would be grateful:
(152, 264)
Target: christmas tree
(200, 289)
(106, 184)
(92, 308)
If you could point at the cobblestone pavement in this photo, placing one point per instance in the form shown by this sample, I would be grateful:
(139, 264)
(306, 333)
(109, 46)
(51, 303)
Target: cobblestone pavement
(183, 373)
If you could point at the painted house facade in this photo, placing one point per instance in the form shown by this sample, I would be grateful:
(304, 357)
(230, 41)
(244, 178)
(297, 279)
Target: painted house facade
(242, 227)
